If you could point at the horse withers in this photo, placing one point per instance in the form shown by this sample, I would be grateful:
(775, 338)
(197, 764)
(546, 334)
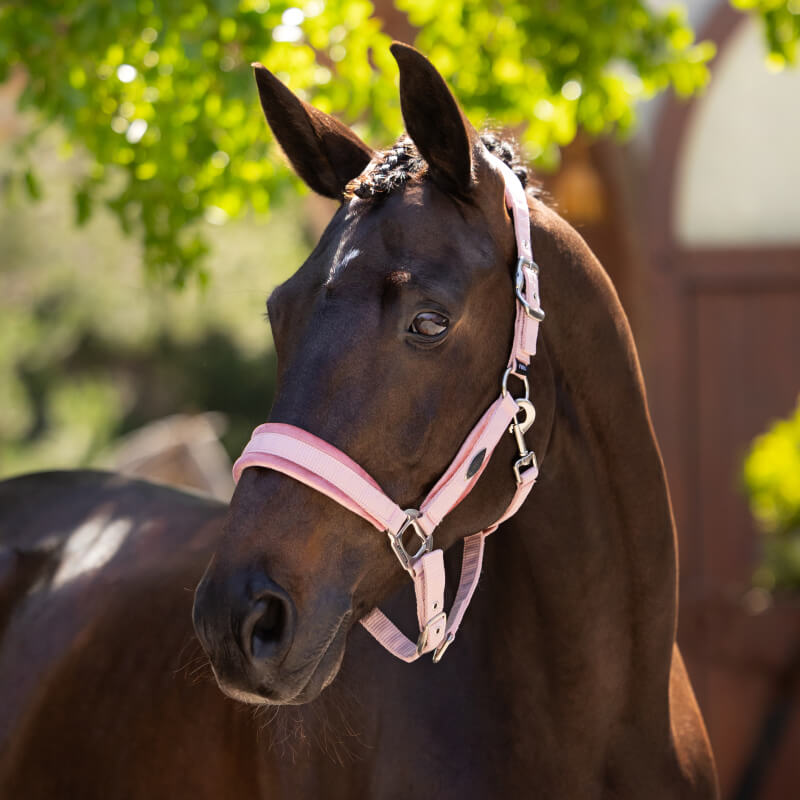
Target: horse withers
(564, 680)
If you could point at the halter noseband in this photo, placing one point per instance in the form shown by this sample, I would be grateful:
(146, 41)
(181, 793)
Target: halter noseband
(312, 461)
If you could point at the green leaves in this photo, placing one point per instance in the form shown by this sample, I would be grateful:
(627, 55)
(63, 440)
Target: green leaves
(781, 21)
(551, 68)
(161, 97)
(772, 479)
(32, 184)
(91, 349)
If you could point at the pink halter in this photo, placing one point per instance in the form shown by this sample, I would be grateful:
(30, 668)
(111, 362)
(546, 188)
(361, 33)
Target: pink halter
(312, 461)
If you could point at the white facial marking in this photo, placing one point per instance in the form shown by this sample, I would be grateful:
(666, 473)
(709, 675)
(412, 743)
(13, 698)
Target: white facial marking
(341, 260)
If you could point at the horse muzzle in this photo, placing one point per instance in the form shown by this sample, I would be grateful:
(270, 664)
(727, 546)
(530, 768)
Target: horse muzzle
(248, 627)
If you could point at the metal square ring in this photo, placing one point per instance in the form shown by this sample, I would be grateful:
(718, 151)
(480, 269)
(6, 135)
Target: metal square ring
(405, 558)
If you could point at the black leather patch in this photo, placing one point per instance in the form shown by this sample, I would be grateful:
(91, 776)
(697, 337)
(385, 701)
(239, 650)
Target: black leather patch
(476, 462)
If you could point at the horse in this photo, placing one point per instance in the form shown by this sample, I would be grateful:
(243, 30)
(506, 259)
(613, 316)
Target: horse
(565, 679)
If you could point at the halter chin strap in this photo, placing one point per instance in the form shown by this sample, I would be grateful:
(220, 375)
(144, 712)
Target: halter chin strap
(318, 464)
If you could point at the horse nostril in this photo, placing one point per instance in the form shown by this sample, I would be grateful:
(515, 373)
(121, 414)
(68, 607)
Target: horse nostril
(267, 626)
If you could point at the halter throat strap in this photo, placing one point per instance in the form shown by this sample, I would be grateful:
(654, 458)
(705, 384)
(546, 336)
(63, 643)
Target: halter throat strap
(321, 466)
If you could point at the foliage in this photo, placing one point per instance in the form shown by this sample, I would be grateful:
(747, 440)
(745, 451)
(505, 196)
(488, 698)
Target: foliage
(772, 480)
(554, 67)
(781, 20)
(90, 349)
(160, 95)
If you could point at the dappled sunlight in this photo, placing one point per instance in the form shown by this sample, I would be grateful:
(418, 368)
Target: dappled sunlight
(93, 544)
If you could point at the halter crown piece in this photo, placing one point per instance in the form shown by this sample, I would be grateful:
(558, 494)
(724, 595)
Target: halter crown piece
(312, 461)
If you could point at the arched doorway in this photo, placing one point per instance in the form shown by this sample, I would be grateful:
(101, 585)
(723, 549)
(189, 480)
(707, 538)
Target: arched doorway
(722, 359)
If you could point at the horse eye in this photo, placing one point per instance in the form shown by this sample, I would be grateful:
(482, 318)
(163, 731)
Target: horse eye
(429, 323)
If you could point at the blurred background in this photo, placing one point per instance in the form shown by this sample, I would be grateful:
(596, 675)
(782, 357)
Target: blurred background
(146, 215)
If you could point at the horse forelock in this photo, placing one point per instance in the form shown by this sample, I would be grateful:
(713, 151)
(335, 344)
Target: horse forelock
(402, 164)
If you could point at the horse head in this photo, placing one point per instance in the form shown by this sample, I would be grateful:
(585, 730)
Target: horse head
(392, 339)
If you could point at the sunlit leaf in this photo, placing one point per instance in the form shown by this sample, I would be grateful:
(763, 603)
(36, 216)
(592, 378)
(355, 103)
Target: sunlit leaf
(154, 89)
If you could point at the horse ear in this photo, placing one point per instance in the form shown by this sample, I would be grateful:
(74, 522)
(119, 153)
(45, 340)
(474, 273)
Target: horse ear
(443, 135)
(326, 154)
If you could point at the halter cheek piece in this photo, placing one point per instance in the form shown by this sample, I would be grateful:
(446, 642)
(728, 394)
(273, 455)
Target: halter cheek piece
(314, 462)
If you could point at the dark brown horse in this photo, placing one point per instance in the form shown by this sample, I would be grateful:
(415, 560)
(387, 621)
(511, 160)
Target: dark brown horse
(564, 681)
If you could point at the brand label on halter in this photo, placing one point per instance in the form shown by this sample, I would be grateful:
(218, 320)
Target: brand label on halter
(476, 462)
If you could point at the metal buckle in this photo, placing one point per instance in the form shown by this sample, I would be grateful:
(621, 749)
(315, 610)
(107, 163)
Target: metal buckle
(396, 540)
(535, 313)
(439, 619)
(440, 650)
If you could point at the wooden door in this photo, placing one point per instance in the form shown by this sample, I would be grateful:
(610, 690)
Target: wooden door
(721, 355)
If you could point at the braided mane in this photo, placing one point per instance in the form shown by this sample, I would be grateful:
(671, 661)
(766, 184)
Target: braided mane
(402, 163)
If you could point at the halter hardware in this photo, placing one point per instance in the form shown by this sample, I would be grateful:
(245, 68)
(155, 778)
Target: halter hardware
(318, 464)
(440, 650)
(523, 264)
(527, 458)
(441, 620)
(514, 370)
(529, 461)
(405, 558)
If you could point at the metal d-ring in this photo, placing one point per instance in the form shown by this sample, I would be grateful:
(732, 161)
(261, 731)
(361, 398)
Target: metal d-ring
(524, 378)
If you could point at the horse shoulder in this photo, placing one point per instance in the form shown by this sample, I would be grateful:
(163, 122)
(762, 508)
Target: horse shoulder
(100, 676)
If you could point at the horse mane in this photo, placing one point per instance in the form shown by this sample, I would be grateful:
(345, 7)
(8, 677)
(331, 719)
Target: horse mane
(402, 163)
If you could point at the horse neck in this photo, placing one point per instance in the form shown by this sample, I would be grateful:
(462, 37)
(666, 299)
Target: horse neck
(588, 564)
